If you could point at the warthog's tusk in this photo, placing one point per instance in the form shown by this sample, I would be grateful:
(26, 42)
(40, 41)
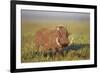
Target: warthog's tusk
(71, 41)
(58, 42)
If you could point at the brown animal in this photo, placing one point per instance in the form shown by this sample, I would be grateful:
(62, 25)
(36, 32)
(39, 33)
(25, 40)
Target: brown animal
(51, 39)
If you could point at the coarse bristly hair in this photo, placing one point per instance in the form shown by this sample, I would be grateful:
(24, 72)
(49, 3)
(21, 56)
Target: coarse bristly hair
(50, 39)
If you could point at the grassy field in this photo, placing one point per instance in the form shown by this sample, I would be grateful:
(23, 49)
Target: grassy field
(78, 50)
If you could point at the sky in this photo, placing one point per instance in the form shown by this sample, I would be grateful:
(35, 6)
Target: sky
(33, 15)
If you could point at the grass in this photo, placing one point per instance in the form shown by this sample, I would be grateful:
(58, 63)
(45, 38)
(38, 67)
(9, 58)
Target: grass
(78, 50)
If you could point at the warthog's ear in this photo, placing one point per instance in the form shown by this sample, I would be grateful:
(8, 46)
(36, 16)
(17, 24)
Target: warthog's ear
(57, 42)
(57, 28)
(69, 33)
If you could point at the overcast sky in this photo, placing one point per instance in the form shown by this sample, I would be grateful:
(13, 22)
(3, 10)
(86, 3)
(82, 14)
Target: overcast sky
(53, 15)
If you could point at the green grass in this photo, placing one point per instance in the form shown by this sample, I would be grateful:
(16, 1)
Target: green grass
(79, 50)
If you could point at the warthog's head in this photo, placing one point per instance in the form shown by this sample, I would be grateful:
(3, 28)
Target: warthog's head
(62, 39)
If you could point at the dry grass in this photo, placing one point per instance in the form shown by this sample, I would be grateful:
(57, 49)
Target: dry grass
(79, 50)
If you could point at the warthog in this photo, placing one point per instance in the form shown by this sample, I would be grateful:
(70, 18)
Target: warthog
(54, 40)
